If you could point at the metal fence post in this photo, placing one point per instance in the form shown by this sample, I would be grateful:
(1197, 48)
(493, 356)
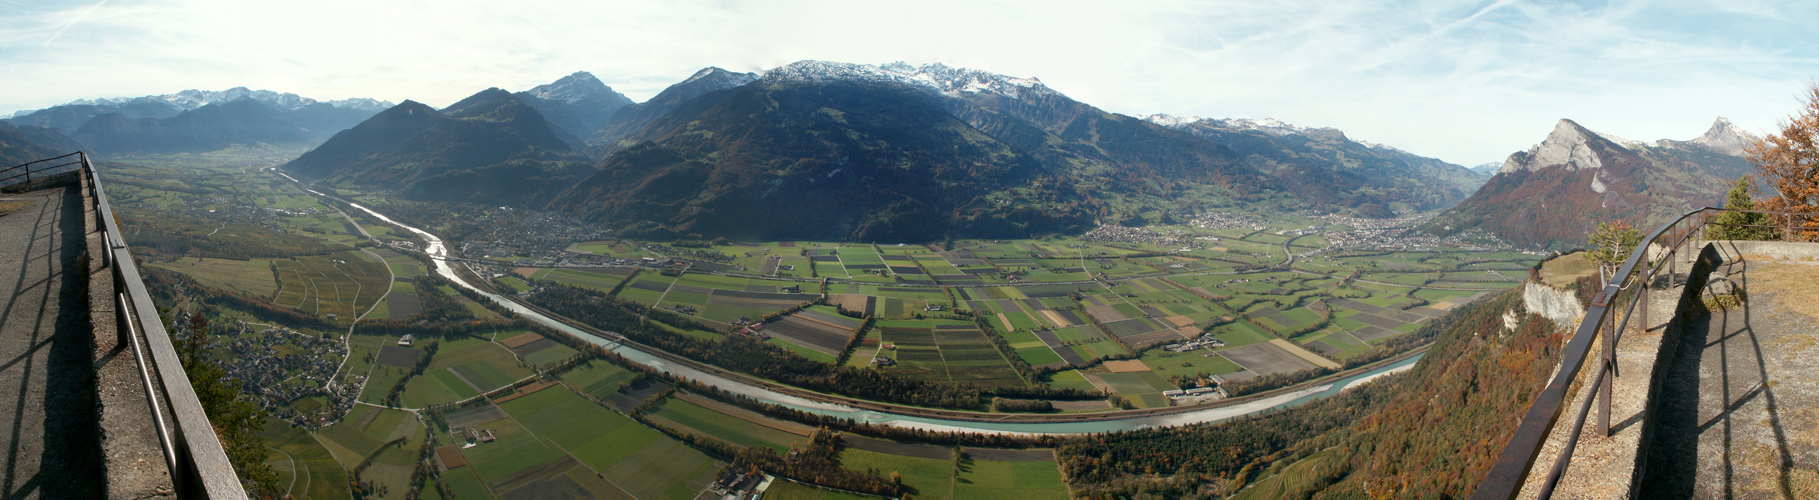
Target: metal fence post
(1610, 367)
(1648, 280)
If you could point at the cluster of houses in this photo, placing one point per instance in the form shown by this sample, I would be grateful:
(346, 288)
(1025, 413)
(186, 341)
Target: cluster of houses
(475, 436)
(1204, 342)
(734, 485)
(1183, 393)
(276, 379)
(745, 326)
(529, 232)
(1221, 220)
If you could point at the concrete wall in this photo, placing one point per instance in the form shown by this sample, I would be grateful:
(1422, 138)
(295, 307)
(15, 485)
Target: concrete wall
(1732, 250)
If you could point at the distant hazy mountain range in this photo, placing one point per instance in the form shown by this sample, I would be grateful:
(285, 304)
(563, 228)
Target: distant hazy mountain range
(1554, 194)
(195, 120)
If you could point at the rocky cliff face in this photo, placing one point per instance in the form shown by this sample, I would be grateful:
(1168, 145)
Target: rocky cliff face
(1569, 147)
(1725, 138)
(1562, 307)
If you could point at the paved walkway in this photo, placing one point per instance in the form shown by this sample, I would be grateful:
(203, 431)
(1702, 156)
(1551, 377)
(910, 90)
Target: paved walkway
(52, 439)
(1740, 409)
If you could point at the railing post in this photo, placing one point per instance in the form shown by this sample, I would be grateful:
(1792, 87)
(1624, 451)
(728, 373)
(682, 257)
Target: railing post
(1610, 368)
(1648, 280)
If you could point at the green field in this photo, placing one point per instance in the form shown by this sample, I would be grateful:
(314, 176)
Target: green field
(726, 427)
(925, 477)
(312, 471)
(344, 284)
(253, 276)
(597, 378)
(1009, 480)
(462, 369)
(783, 489)
(634, 457)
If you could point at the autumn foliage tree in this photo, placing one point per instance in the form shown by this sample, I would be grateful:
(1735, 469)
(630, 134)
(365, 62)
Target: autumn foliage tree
(1790, 163)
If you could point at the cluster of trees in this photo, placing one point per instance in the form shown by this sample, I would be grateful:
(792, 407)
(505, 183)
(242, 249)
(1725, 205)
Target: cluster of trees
(852, 343)
(359, 488)
(748, 355)
(427, 469)
(1002, 405)
(437, 306)
(1739, 225)
(1123, 464)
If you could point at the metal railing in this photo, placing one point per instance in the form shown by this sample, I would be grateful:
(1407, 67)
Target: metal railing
(198, 463)
(1661, 250)
(26, 169)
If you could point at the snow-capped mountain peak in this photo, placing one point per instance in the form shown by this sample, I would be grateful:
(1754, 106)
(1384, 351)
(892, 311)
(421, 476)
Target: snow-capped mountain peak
(1172, 121)
(1725, 137)
(721, 78)
(1270, 126)
(1628, 143)
(937, 77)
(572, 88)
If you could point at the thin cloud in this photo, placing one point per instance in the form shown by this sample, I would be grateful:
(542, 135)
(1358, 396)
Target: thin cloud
(72, 22)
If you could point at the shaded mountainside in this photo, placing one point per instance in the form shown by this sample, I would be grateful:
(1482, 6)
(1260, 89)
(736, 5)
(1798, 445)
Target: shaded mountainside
(488, 148)
(837, 151)
(1110, 167)
(25, 144)
(1322, 165)
(627, 124)
(844, 160)
(1554, 194)
(1107, 152)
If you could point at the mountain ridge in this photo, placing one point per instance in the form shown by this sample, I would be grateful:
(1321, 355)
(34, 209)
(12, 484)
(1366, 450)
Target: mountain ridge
(1553, 194)
(488, 148)
(578, 103)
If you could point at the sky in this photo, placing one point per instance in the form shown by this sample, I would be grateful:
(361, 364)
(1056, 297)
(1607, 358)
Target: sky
(1468, 82)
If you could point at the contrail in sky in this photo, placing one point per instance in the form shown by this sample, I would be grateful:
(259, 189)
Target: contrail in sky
(72, 22)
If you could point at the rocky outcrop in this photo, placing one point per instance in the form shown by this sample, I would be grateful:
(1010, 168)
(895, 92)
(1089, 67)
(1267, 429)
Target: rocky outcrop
(1559, 306)
(1567, 147)
(1724, 137)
